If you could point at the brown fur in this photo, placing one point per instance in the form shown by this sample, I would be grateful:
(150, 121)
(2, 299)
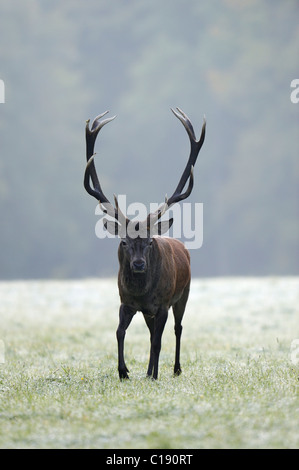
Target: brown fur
(163, 284)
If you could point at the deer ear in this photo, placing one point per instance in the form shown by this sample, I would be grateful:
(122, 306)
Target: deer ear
(111, 227)
(163, 226)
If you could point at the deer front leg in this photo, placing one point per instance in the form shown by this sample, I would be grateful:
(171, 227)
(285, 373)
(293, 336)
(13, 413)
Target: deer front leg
(125, 317)
(160, 320)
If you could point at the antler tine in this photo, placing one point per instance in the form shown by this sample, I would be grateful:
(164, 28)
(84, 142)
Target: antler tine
(154, 216)
(96, 126)
(91, 134)
(105, 205)
(120, 215)
(177, 197)
(185, 121)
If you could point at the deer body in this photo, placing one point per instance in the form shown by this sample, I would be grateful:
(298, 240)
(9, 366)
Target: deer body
(154, 271)
(164, 284)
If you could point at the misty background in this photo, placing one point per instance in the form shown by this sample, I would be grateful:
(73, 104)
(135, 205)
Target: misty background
(230, 60)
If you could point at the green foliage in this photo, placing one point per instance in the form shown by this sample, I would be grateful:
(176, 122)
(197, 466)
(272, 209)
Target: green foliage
(63, 62)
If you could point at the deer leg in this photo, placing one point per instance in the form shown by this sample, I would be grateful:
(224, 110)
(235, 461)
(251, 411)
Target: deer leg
(125, 317)
(151, 324)
(178, 311)
(159, 324)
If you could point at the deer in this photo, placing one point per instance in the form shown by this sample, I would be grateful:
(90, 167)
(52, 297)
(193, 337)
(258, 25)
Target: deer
(154, 270)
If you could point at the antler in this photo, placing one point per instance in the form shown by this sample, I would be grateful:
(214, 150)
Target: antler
(188, 171)
(194, 151)
(97, 192)
(90, 170)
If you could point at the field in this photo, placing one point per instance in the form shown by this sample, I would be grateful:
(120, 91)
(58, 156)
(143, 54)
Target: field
(59, 385)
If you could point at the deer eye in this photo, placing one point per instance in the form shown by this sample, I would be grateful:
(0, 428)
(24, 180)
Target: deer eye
(123, 243)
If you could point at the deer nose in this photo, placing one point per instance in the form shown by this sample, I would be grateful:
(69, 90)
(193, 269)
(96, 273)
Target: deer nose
(138, 265)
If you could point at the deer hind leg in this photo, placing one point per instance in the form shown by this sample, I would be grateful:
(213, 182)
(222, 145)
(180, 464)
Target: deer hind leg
(151, 324)
(178, 312)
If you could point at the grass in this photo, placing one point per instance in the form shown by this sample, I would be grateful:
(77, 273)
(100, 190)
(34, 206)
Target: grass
(59, 385)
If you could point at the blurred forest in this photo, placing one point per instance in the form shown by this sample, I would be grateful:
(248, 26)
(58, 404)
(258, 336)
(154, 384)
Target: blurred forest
(230, 60)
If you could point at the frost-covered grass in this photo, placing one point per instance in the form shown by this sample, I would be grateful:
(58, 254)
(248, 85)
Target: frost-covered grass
(59, 385)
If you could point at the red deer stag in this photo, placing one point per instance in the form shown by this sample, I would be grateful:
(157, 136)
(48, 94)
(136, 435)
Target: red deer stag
(154, 271)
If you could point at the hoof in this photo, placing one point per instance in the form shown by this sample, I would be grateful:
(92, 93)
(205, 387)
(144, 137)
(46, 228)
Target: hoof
(123, 374)
(151, 377)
